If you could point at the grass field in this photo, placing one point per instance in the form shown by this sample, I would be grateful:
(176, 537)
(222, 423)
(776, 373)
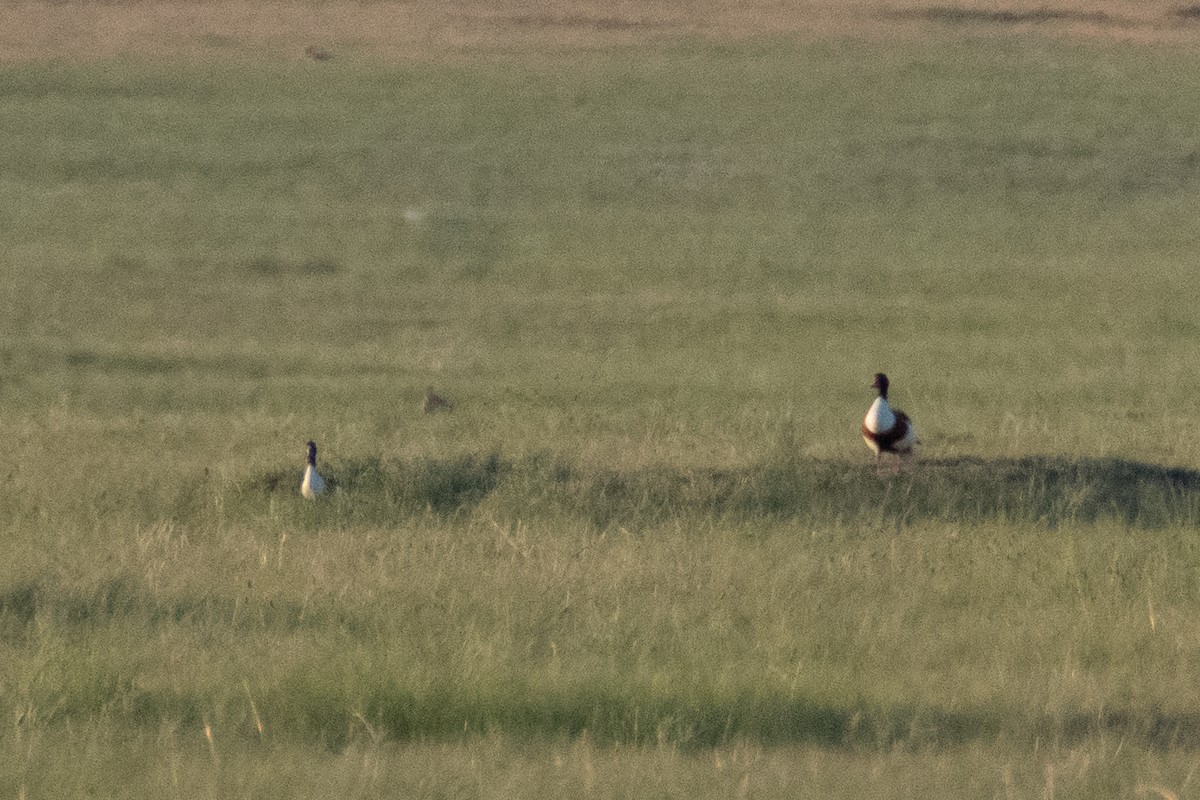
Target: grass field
(647, 554)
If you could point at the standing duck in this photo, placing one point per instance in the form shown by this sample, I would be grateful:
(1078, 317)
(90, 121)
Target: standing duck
(887, 429)
(313, 484)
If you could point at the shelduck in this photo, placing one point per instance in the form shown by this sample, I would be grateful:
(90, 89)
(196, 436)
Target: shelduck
(435, 402)
(887, 429)
(313, 484)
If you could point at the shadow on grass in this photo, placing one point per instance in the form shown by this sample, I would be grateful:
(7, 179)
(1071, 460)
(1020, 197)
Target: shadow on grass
(312, 707)
(128, 598)
(624, 717)
(958, 15)
(272, 266)
(1035, 489)
(336, 702)
(379, 488)
(97, 363)
(1038, 490)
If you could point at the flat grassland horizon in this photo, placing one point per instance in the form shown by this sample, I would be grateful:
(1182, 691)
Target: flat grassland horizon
(389, 30)
(654, 255)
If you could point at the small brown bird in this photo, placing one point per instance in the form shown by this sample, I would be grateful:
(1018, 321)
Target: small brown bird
(317, 54)
(435, 402)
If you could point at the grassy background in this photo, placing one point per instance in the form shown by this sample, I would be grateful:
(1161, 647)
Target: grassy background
(656, 282)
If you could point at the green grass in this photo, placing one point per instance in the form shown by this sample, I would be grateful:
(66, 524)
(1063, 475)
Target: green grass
(1037, 490)
(647, 553)
(783, 634)
(492, 767)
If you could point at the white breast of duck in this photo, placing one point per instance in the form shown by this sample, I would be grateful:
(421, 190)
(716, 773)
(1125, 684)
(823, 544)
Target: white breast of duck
(880, 417)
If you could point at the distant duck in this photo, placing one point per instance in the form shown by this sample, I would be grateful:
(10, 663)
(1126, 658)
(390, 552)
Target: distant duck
(313, 484)
(887, 429)
(435, 402)
(317, 54)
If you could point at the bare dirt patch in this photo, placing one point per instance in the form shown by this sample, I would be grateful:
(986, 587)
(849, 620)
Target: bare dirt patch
(34, 30)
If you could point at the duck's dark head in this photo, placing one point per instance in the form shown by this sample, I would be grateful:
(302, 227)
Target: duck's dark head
(881, 383)
(312, 453)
